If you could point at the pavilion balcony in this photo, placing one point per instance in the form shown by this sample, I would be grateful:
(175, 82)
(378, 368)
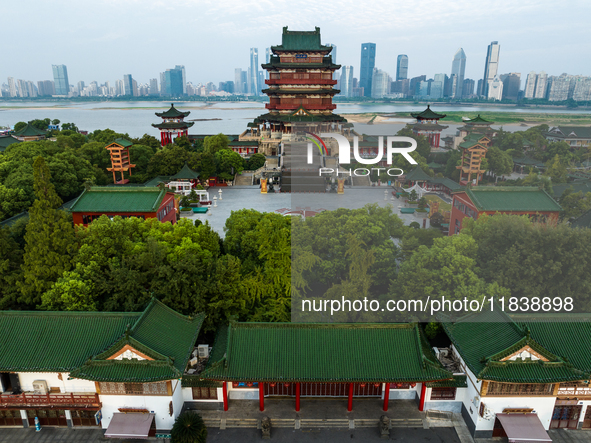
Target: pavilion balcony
(28, 399)
(301, 81)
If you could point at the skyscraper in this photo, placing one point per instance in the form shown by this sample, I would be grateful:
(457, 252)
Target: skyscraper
(173, 82)
(183, 77)
(238, 81)
(253, 87)
(402, 67)
(468, 88)
(380, 83)
(368, 62)
(347, 81)
(11, 87)
(458, 68)
(541, 85)
(261, 83)
(60, 77)
(530, 85)
(127, 85)
(153, 86)
(268, 53)
(511, 85)
(495, 89)
(491, 66)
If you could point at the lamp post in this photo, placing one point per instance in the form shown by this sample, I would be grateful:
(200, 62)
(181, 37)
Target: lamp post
(215, 201)
(220, 192)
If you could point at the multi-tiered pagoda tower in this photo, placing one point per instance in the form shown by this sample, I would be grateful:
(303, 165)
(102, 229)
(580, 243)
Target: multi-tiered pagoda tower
(173, 124)
(300, 92)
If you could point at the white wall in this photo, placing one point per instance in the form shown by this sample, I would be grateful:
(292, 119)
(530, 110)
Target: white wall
(157, 404)
(65, 385)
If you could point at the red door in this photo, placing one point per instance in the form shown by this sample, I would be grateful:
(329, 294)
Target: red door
(10, 417)
(587, 419)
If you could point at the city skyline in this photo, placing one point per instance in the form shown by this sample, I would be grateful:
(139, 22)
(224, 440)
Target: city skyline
(112, 36)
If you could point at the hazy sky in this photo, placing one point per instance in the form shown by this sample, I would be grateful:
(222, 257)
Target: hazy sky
(104, 39)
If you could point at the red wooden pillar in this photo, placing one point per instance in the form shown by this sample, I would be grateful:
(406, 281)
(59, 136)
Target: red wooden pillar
(350, 402)
(225, 395)
(261, 396)
(386, 397)
(423, 394)
(298, 393)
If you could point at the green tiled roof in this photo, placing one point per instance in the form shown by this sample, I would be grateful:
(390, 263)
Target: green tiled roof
(275, 63)
(448, 182)
(190, 381)
(417, 174)
(428, 127)
(527, 161)
(161, 334)
(156, 181)
(509, 198)
(584, 221)
(123, 142)
(301, 41)
(478, 119)
(185, 173)
(172, 113)
(122, 371)
(434, 165)
(459, 381)
(328, 352)
(30, 131)
(483, 356)
(582, 185)
(81, 342)
(173, 125)
(40, 341)
(119, 199)
(571, 131)
(427, 114)
(6, 141)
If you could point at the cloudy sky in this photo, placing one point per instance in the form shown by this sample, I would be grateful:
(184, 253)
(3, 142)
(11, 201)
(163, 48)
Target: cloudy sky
(104, 39)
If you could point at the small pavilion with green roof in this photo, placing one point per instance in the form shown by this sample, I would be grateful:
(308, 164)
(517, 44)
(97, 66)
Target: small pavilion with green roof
(428, 125)
(173, 124)
(29, 133)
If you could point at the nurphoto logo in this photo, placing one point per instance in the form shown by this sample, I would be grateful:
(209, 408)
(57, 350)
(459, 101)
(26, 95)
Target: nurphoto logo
(345, 152)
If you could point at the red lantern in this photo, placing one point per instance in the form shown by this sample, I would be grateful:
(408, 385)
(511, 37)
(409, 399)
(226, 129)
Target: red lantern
(362, 385)
(272, 384)
(249, 384)
(286, 385)
(412, 385)
(398, 385)
(376, 385)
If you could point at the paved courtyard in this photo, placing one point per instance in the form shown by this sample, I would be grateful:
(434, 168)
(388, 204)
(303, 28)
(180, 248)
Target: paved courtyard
(235, 198)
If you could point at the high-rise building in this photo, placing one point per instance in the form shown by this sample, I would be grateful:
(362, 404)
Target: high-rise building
(347, 81)
(402, 67)
(134, 89)
(561, 87)
(173, 82)
(479, 87)
(541, 85)
(253, 86)
(458, 68)
(153, 87)
(368, 63)
(80, 87)
(45, 88)
(437, 88)
(244, 78)
(468, 88)
(511, 85)
(582, 91)
(495, 89)
(127, 85)
(238, 81)
(183, 77)
(491, 67)
(12, 87)
(60, 78)
(400, 86)
(530, 85)
(380, 83)
(261, 83)
(414, 85)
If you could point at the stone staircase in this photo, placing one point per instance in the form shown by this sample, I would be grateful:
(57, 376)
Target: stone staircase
(361, 181)
(310, 423)
(244, 179)
(297, 175)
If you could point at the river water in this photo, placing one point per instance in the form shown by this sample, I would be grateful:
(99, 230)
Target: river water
(136, 118)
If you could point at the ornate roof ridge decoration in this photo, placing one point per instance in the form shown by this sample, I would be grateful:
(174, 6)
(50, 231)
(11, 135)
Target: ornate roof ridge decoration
(427, 114)
(29, 131)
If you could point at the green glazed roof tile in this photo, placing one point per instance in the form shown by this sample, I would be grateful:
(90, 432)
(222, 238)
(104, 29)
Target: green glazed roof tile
(172, 113)
(119, 199)
(517, 198)
(292, 352)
